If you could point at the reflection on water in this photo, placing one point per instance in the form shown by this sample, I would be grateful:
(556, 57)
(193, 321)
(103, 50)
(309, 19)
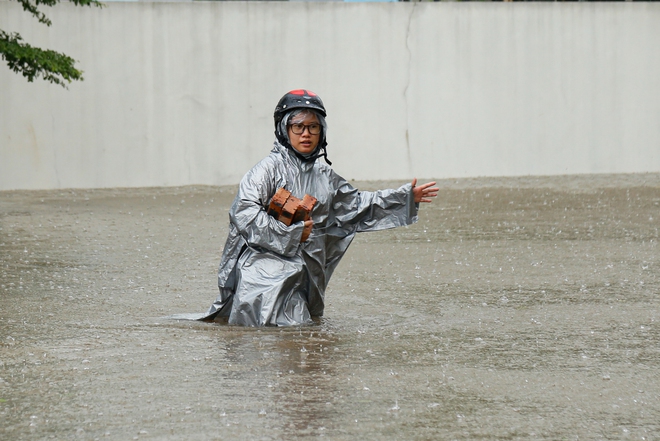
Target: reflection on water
(515, 309)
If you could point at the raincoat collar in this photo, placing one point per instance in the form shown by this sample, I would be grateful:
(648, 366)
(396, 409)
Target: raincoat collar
(292, 158)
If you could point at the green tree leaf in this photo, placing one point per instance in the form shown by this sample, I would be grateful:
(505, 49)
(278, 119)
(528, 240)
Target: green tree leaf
(33, 62)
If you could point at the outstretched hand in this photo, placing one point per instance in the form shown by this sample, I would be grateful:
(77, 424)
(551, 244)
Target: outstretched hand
(424, 192)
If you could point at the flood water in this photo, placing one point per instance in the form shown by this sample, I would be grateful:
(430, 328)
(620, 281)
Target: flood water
(521, 308)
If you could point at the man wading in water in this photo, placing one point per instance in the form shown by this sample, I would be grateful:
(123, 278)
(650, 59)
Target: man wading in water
(276, 274)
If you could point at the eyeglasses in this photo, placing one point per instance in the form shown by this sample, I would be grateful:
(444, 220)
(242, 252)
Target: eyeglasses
(299, 129)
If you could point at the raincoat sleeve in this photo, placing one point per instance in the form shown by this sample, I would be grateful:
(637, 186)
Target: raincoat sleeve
(248, 213)
(373, 210)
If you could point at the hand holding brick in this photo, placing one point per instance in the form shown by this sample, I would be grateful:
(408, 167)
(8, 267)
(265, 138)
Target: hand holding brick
(289, 209)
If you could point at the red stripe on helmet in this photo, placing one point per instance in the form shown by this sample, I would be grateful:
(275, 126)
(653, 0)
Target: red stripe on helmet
(302, 92)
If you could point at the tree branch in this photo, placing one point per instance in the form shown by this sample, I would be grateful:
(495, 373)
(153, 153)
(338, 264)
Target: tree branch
(33, 62)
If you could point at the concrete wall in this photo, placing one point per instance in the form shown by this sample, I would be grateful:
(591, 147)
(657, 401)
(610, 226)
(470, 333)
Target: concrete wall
(183, 93)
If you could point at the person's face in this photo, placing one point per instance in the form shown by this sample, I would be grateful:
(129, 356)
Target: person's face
(304, 124)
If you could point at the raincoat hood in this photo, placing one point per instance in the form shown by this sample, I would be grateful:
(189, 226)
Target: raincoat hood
(282, 136)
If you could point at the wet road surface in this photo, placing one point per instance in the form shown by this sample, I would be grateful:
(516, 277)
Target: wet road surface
(519, 308)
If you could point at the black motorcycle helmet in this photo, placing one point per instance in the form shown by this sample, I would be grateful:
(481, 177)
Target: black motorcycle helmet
(301, 99)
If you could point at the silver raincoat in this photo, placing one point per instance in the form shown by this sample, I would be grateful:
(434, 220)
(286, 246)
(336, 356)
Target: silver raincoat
(266, 276)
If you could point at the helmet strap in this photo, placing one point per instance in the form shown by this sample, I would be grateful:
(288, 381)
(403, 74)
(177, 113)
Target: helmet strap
(320, 151)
